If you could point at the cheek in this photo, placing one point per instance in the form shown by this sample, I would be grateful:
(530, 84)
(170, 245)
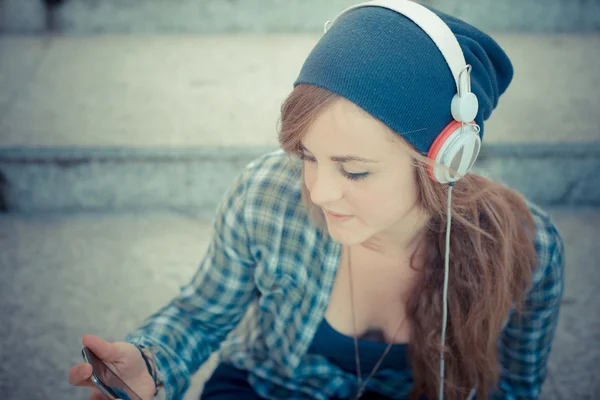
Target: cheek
(309, 175)
(392, 199)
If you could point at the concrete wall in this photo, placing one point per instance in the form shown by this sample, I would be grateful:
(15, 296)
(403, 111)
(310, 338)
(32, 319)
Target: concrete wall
(225, 16)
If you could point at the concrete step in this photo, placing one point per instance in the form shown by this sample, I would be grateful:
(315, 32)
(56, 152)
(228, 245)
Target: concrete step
(261, 16)
(125, 122)
(66, 275)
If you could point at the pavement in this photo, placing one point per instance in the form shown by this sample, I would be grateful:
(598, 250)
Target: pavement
(65, 275)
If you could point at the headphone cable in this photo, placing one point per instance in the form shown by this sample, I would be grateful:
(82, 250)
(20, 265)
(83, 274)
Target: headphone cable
(445, 292)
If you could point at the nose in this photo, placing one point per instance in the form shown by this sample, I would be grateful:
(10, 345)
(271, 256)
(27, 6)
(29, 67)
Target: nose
(324, 188)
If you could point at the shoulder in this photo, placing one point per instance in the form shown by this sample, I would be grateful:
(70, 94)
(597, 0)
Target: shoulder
(549, 247)
(272, 187)
(276, 221)
(270, 182)
(275, 175)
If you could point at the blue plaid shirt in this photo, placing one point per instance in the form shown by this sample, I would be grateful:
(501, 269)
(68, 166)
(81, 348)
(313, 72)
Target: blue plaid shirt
(263, 243)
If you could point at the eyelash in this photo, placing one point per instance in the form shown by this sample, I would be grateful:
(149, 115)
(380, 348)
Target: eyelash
(352, 177)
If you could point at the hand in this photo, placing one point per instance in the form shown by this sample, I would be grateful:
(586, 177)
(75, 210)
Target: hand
(123, 358)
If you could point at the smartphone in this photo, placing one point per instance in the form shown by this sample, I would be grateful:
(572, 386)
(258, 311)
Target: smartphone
(106, 380)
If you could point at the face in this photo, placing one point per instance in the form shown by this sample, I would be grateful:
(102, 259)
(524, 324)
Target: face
(380, 195)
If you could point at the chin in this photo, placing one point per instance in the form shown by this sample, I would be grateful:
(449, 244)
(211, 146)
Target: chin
(349, 238)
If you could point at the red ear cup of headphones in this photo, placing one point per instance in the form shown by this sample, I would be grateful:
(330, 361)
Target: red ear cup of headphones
(438, 143)
(453, 149)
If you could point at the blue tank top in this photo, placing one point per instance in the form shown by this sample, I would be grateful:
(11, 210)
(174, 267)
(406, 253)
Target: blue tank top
(339, 349)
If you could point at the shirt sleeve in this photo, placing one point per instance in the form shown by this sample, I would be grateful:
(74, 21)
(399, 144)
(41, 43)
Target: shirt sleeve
(182, 335)
(526, 340)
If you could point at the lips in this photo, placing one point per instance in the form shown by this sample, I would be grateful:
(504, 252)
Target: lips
(339, 217)
(336, 214)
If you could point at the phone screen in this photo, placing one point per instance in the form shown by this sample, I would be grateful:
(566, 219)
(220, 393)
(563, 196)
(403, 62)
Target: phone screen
(111, 382)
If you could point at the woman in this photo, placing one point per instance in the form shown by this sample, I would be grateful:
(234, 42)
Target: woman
(372, 304)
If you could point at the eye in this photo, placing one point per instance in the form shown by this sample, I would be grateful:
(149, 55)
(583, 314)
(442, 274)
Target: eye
(304, 157)
(352, 177)
(355, 177)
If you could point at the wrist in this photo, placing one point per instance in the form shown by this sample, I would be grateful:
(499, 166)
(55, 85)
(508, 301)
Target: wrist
(148, 357)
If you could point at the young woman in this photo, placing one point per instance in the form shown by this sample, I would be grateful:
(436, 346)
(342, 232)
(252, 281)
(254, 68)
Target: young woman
(376, 265)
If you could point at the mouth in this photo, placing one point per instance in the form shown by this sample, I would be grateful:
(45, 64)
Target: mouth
(336, 214)
(339, 217)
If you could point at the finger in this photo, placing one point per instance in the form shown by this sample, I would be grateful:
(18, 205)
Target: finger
(104, 350)
(80, 374)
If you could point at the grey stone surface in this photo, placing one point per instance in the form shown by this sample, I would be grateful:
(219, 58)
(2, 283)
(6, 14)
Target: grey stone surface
(62, 276)
(186, 180)
(22, 16)
(156, 91)
(215, 16)
(180, 91)
(65, 275)
(559, 174)
(20, 58)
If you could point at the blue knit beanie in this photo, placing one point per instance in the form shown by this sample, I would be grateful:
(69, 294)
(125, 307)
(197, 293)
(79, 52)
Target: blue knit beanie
(383, 62)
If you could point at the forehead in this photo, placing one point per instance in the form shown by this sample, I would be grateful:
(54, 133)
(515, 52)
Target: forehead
(344, 127)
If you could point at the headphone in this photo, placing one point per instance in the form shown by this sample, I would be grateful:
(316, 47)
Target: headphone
(456, 148)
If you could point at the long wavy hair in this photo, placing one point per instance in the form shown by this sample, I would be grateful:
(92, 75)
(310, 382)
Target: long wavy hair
(492, 256)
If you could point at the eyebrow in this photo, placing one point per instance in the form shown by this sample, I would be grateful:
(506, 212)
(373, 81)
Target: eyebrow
(344, 159)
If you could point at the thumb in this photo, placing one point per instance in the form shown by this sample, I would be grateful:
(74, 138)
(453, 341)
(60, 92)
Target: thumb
(104, 350)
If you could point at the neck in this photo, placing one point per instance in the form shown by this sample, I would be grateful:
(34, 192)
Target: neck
(401, 240)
